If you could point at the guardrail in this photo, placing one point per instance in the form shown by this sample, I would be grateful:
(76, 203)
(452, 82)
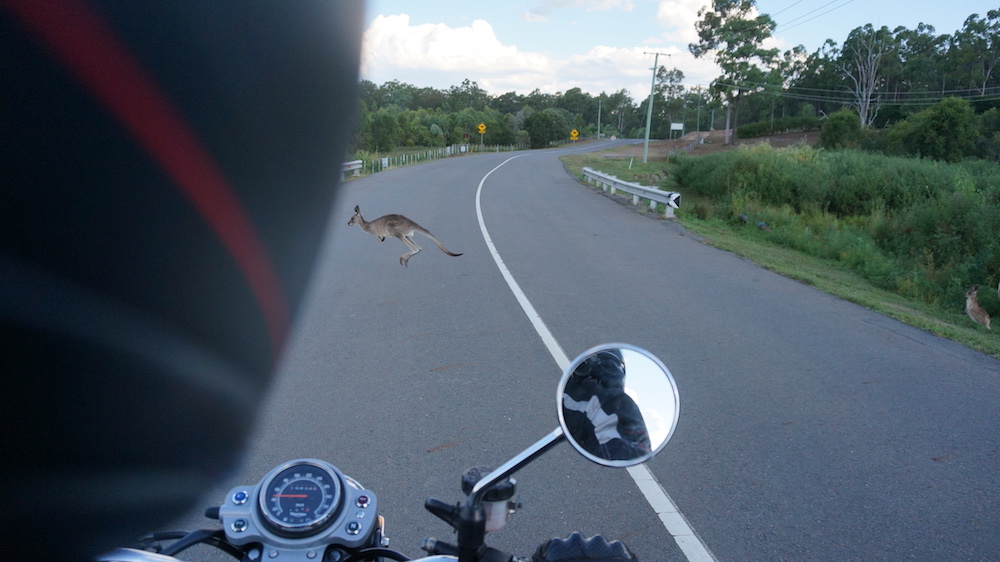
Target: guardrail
(375, 163)
(354, 165)
(671, 200)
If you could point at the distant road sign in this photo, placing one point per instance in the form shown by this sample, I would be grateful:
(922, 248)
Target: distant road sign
(482, 128)
(574, 134)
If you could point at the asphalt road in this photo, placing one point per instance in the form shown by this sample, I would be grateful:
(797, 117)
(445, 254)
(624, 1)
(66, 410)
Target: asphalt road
(810, 428)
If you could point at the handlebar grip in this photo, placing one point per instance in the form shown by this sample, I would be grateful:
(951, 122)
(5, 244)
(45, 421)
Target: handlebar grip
(443, 511)
(576, 548)
(435, 547)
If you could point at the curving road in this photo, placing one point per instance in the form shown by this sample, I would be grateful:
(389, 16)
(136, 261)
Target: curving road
(810, 428)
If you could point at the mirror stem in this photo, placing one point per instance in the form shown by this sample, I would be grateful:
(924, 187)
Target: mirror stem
(513, 465)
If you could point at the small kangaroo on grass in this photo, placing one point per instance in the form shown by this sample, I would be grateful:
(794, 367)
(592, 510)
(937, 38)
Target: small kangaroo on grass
(973, 309)
(399, 227)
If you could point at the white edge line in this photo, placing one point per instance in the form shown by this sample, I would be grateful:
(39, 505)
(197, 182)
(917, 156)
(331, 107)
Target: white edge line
(543, 331)
(676, 524)
(673, 520)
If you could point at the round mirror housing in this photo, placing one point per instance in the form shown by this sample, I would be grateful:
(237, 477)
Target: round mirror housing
(618, 404)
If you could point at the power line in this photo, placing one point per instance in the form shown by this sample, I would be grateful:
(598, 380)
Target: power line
(955, 93)
(793, 4)
(882, 98)
(785, 27)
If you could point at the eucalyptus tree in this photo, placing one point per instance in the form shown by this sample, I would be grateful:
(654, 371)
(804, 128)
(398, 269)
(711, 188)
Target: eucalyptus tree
(429, 98)
(620, 110)
(669, 96)
(922, 52)
(820, 82)
(861, 63)
(577, 102)
(784, 72)
(975, 51)
(382, 130)
(468, 95)
(698, 107)
(510, 102)
(539, 101)
(397, 93)
(547, 126)
(915, 71)
(732, 33)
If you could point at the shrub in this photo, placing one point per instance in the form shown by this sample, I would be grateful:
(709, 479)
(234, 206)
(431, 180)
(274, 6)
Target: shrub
(988, 143)
(946, 131)
(775, 126)
(925, 229)
(841, 130)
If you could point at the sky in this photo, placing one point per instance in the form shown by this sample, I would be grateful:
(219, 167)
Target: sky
(598, 45)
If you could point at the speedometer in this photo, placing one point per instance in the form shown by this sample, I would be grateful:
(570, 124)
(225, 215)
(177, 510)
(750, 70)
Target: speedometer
(300, 498)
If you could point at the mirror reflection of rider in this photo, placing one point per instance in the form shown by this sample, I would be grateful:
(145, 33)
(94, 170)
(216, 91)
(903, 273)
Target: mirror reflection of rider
(604, 420)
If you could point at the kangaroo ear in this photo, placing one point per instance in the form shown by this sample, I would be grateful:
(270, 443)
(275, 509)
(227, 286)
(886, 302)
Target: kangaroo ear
(357, 209)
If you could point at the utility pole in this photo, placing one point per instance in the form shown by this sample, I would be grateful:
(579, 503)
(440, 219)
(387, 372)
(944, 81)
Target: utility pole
(699, 109)
(599, 118)
(649, 105)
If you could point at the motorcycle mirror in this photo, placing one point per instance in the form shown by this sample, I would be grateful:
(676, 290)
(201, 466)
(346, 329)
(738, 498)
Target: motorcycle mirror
(618, 404)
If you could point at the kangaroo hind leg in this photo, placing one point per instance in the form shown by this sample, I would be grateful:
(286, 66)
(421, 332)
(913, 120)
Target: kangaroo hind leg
(414, 250)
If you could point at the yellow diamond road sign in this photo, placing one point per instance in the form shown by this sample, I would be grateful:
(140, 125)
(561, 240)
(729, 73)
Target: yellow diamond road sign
(574, 134)
(482, 128)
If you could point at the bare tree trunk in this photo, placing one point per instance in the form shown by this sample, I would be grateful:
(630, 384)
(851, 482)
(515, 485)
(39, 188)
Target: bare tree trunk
(988, 67)
(734, 124)
(864, 75)
(729, 117)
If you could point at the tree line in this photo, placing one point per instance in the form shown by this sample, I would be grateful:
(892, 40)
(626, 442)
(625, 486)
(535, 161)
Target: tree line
(884, 76)
(396, 114)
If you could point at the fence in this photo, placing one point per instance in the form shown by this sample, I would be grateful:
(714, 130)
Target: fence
(671, 200)
(375, 164)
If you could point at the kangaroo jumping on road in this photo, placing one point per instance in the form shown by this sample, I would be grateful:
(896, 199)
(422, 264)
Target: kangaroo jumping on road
(398, 226)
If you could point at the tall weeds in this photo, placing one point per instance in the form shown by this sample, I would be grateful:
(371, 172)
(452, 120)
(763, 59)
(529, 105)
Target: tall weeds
(924, 229)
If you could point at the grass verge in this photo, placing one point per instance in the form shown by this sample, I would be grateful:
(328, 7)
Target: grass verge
(826, 275)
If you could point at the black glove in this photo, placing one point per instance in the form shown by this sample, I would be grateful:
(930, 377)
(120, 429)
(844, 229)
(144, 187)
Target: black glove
(575, 548)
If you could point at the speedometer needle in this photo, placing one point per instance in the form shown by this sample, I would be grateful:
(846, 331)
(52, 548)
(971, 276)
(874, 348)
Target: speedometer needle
(290, 496)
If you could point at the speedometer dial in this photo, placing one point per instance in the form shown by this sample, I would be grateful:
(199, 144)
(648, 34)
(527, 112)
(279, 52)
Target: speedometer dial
(300, 498)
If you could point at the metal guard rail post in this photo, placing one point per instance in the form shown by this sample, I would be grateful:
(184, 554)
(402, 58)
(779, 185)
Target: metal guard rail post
(671, 200)
(353, 166)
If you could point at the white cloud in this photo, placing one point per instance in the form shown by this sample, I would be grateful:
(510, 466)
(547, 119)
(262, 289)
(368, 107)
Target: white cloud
(678, 18)
(614, 68)
(440, 56)
(543, 9)
(391, 41)
(534, 17)
(587, 4)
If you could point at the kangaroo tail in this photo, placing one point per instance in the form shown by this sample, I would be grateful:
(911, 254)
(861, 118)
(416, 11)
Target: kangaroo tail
(440, 246)
(444, 250)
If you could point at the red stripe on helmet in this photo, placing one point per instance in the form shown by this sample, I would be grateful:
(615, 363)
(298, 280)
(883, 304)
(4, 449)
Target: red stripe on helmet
(87, 46)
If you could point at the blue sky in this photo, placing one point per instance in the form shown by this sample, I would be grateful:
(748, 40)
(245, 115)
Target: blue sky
(597, 45)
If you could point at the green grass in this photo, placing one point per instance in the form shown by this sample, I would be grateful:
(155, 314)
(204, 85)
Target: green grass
(624, 168)
(827, 275)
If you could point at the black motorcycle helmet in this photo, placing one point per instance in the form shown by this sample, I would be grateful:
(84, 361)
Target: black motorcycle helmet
(606, 367)
(168, 169)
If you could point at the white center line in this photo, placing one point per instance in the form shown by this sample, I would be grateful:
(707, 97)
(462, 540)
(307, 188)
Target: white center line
(673, 520)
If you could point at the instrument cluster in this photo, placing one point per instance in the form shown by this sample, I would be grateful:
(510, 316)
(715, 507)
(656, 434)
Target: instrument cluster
(301, 505)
